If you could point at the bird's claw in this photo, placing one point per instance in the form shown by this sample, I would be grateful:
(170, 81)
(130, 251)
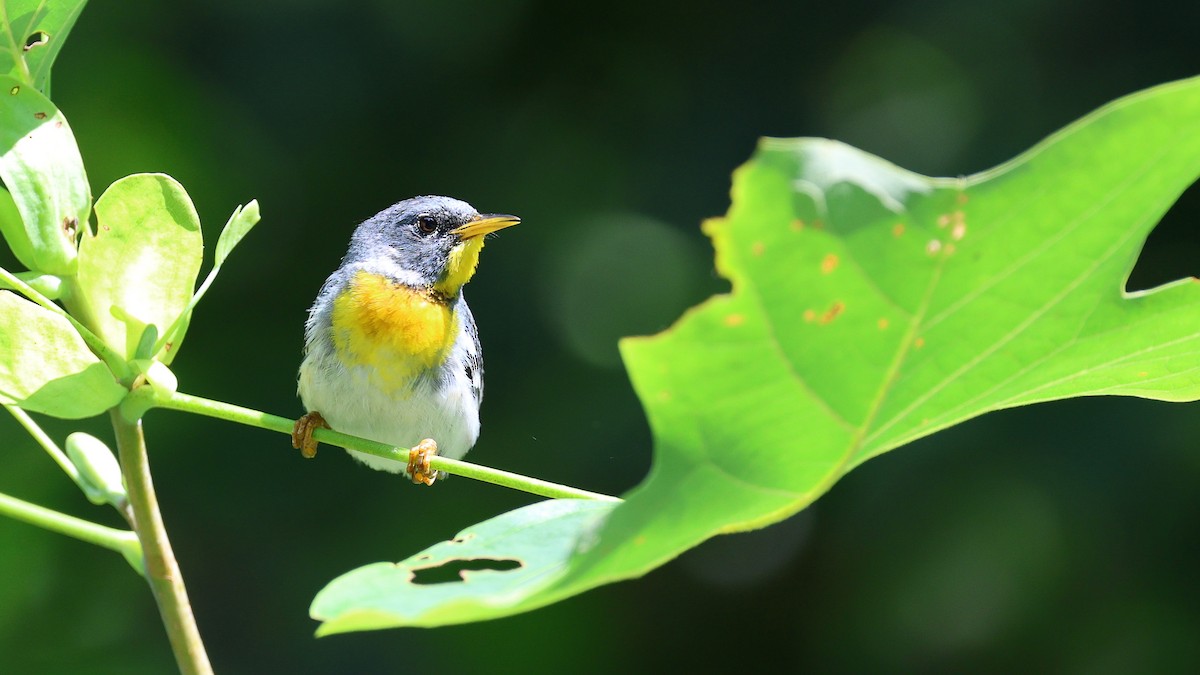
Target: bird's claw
(302, 433)
(418, 462)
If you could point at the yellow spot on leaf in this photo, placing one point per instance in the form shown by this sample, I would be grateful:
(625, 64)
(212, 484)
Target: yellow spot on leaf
(797, 225)
(758, 248)
(933, 246)
(961, 198)
(832, 313)
(883, 323)
(897, 229)
(958, 231)
(918, 343)
(943, 220)
(829, 263)
(664, 396)
(809, 315)
(1143, 374)
(733, 320)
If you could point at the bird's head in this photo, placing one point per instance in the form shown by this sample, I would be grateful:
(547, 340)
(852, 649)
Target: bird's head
(427, 242)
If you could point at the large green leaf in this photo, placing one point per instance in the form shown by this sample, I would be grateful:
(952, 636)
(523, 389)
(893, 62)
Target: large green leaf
(46, 367)
(872, 306)
(519, 552)
(139, 268)
(47, 199)
(31, 34)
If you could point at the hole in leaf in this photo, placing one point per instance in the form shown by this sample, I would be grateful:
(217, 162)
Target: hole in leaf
(36, 38)
(1172, 248)
(452, 570)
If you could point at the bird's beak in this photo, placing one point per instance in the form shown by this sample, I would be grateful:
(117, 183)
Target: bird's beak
(485, 224)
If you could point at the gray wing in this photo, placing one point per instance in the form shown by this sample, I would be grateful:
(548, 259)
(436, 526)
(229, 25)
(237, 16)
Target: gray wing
(473, 352)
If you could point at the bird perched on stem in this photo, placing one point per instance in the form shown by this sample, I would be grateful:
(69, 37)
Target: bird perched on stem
(391, 349)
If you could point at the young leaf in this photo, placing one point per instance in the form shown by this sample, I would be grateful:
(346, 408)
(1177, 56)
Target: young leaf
(872, 306)
(140, 266)
(32, 34)
(537, 542)
(48, 198)
(46, 367)
(236, 227)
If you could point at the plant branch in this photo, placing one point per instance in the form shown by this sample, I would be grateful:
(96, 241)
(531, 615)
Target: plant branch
(233, 413)
(162, 571)
(45, 441)
(121, 541)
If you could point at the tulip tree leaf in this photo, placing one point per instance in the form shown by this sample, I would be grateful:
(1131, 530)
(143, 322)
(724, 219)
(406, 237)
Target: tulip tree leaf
(139, 268)
(871, 306)
(535, 545)
(46, 367)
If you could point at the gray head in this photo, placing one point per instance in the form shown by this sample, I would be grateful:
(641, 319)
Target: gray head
(431, 242)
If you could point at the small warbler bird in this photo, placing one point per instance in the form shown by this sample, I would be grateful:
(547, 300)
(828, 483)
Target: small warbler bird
(391, 349)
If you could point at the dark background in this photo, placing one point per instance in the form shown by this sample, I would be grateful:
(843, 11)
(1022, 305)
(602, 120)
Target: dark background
(1061, 537)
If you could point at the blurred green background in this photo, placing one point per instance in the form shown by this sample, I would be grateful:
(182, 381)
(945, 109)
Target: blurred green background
(1062, 537)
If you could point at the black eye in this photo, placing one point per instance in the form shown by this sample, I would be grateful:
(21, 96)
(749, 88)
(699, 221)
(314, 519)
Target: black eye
(426, 225)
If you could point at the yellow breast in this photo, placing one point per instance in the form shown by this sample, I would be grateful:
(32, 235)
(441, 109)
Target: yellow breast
(396, 330)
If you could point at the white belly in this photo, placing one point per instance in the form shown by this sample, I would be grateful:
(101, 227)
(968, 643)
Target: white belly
(352, 404)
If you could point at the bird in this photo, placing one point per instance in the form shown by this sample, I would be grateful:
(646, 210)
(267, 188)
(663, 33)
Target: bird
(391, 350)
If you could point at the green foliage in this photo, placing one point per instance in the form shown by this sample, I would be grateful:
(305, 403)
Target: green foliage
(47, 199)
(541, 536)
(870, 306)
(139, 268)
(46, 367)
(31, 34)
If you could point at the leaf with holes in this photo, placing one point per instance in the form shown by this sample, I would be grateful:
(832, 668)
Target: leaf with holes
(33, 33)
(872, 306)
(519, 552)
(46, 198)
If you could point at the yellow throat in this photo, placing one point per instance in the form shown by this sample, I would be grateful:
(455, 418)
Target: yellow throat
(460, 267)
(397, 330)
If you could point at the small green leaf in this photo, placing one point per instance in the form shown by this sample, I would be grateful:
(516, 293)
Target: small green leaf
(46, 367)
(43, 173)
(140, 266)
(33, 33)
(238, 226)
(525, 549)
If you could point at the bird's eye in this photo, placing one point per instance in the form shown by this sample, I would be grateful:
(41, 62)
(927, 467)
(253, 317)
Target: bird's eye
(426, 225)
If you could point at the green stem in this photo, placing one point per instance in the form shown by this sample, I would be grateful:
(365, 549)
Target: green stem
(162, 571)
(116, 362)
(121, 541)
(255, 418)
(45, 441)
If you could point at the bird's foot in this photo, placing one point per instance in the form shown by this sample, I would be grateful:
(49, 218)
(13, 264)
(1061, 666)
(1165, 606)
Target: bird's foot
(418, 462)
(302, 433)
